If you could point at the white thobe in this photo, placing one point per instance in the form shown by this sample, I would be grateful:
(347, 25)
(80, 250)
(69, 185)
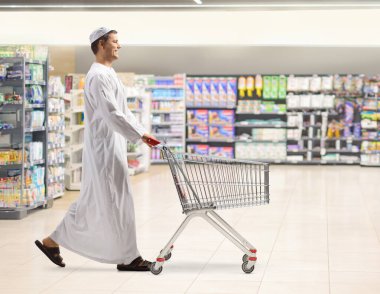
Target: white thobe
(100, 225)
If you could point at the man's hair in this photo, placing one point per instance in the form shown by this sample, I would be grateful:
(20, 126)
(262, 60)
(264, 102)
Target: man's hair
(94, 45)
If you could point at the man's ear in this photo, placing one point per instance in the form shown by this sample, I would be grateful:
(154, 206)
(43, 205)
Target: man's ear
(101, 43)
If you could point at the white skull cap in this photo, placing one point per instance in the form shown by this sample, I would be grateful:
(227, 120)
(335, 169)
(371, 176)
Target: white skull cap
(100, 32)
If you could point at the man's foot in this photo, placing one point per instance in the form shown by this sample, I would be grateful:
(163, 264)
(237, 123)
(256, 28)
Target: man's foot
(138, 265)
(52, 253)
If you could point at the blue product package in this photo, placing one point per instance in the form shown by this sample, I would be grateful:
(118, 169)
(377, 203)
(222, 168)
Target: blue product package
(223, 92)
(206, 92)
(214, 92)
(198, 149)
(190, 92)
(226, 152)
(199, 116)
(198, 94)
(349, 112)
(231, 92)
(198, 132)
(222, 132)
(221, 117)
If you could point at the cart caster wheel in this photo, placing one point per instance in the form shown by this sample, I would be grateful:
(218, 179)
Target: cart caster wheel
(168, 256)
(155, 271)
(245, 257)
(247, 269)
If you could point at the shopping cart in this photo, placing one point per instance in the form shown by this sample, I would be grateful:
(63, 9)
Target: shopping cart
(206, 183)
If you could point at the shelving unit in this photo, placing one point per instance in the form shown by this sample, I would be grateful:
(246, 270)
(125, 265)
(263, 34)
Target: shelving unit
(23, 154)
(74, 132)
(56, 138)
(370, 123)
(261, 122)
(139, 103)
(167, 95)
(210, 115)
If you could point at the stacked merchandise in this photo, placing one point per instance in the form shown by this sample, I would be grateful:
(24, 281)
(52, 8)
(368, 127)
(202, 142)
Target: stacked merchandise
(210, 103)
(23, 134)
(370, 123)
(168, 106)
(213, 126)
(56, 138)
(329, 108)
(261, 114)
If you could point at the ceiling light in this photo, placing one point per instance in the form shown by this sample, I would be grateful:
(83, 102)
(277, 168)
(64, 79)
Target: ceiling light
(198, 1)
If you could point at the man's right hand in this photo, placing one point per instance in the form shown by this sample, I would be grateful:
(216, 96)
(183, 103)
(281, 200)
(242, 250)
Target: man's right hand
(150, 140)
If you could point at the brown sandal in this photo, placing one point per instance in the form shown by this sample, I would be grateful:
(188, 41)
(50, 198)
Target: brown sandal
(52, 253)
(137, 265)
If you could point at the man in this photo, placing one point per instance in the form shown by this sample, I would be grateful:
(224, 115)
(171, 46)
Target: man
(100, 225)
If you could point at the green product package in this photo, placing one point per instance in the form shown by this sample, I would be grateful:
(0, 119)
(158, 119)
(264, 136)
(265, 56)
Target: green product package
(282, 87)
(274, 87)
(267, 87)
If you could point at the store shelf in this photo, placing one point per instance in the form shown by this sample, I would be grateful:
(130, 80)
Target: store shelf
(210, 107)
(167, 111)
(31, 130)
(9, 131)
(164, 87)
(40, 83)
(155, 161)
(134, 154)
(266, 126)
(205, 140)
(56, 128)
(167, 124)
(258, 141)
(34, 106)
(167, 99)
(166, 135)
(262, 113)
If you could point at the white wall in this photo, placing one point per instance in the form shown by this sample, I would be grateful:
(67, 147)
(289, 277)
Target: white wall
(289, 28)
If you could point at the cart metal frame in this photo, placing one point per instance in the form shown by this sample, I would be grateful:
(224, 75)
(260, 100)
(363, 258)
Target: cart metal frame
(206, 183)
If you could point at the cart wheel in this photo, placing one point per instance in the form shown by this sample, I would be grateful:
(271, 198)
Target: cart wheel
(155, 271)
(247, 269)
(168, 256)
(245, 257)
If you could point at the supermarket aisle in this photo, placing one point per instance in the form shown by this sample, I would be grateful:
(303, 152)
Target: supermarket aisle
(320, 234)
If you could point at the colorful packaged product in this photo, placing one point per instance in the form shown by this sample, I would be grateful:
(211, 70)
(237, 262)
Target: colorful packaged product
(198, 116)
(199, 149)
(222, 132)
(221, 117)
(267, 87)
(198, 132)
(274, 87)
(206, 92)
(198, 95)
(214, 92)
(223, 92)
(190, 92)
(226, 152)
(231, 92)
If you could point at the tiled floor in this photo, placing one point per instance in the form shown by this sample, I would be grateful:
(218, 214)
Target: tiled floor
(320, 234)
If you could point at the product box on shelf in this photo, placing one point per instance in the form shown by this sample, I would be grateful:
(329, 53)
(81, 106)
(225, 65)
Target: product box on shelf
(231, 92)
(198, 116)
(199, 149)
(226, 152)
(214, 92)
(223, 92)
(206, 92)
(198, 91)
(198, 132)
(274, 87)
(221, 117)
(222, 132)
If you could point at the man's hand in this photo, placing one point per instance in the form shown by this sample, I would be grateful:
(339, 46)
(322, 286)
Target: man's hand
(150, 140)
